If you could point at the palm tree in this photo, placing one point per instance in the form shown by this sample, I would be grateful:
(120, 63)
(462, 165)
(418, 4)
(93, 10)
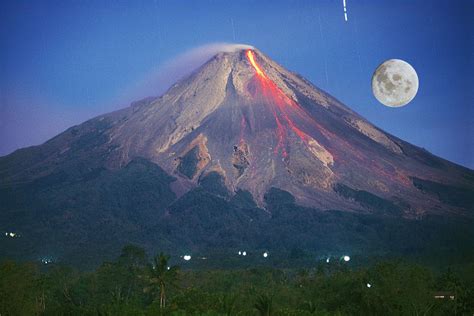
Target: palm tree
(160, 276)
(264, 305)
(309, 307)
(227, 303)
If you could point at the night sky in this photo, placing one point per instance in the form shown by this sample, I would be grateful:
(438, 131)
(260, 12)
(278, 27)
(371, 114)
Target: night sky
(62, 62)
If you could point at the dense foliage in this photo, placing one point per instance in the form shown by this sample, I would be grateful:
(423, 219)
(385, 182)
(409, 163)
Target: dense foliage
(134, 285)
(83, 215)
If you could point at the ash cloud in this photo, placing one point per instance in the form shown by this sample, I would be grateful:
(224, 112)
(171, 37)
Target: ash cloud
(30, 119)
(164, 76)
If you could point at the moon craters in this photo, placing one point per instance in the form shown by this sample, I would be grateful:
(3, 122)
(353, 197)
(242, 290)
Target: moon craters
(395, 83)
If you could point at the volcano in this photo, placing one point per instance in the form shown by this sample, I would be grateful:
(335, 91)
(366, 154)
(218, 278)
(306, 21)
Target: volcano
(238, 147)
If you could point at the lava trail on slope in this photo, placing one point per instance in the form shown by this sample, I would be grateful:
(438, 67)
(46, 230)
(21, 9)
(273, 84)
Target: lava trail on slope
(284, 110)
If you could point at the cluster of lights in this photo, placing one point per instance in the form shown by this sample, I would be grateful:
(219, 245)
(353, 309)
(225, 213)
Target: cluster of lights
(244, 253)
(187, 257)
(46, 260)
(11, 235)
(346, 258)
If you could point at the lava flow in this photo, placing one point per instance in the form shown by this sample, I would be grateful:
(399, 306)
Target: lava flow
(254, 64)
(281, 113)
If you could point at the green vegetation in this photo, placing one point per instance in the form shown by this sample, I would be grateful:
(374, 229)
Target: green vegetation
(456, 196)
(369, 200)
(188, 163)
(160, 276)
(131, 285)
(82, 215)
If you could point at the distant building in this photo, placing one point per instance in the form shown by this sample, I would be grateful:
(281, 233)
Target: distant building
(443, 295)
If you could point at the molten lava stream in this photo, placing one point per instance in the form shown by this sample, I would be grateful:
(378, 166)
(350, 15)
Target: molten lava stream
(288, 103)
(287, 106)
(254, 64)
(274, 95)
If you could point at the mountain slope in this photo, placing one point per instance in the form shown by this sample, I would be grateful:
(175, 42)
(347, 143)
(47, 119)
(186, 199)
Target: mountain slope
(239, 123)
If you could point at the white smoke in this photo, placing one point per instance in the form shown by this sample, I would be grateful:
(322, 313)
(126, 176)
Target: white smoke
(185, 63)
(168, 73)
(46, 118)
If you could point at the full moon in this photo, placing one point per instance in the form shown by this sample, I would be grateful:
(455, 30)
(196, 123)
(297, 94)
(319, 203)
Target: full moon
(395, 83)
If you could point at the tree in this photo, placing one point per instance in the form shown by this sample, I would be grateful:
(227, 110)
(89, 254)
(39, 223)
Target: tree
(264, 305)
(399, 288)
(309, 306)
(20, 293)
(132, 257)
(227, 303)
(118, 283)
(450, 281)
(160, 276)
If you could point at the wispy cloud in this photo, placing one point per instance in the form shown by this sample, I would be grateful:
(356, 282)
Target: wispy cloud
(27, 119)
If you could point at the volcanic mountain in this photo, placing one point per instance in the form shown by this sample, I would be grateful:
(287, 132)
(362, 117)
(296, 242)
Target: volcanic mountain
(224, 147)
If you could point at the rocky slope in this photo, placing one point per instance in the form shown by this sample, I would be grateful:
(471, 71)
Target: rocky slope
(240, 124)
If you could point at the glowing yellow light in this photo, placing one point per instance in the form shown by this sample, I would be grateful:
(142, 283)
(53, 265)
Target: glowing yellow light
(254, 64)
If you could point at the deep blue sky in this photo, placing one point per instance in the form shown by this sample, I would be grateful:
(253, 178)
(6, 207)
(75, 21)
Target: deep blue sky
(62, 62)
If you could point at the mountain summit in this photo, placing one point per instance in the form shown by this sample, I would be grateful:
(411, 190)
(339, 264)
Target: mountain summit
(239, 123)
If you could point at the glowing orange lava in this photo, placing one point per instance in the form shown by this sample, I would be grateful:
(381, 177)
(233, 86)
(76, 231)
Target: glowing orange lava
(284, 110)
(274, 95)
(254, 64)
